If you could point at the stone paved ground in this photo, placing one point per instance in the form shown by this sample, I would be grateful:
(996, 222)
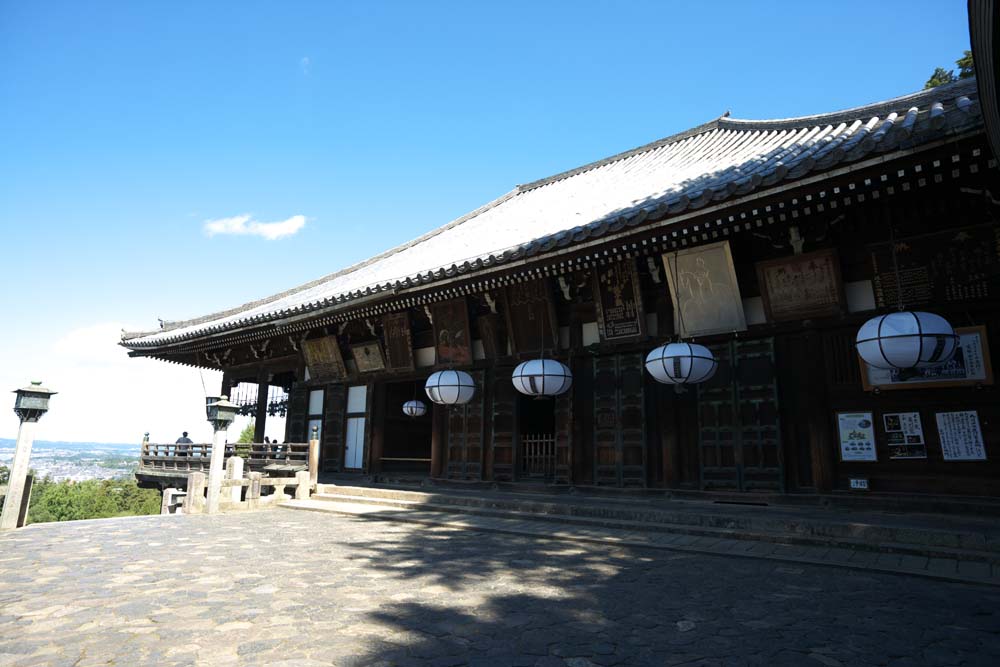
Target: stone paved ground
(302, 588)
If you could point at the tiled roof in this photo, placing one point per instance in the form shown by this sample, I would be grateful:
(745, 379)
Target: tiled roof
(713, 162)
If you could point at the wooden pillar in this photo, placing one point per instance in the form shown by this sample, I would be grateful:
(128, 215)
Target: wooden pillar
(669, 442)
(439, 415)
(378, 427)
(260, 421)
(820, 419)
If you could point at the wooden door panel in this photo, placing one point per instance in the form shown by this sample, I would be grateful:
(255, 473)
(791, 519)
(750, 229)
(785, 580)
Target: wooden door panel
(465, 436)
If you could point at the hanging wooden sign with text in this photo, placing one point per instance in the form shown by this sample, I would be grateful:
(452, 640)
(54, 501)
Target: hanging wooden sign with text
(956, 265)
(619, 305)
(705, 293)
(452, 338)
(530, 316)
(801, 286)
(398, 341)
(368, 357)
(492, 333)
(323, 359)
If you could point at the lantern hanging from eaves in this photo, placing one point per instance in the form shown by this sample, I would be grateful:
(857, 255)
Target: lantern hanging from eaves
(450, 387)
(414, 408)
(906, 340)
(542, 377)
(681, 363)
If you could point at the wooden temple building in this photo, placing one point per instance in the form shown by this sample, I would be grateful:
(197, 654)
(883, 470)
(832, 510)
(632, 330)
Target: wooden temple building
(770, 242)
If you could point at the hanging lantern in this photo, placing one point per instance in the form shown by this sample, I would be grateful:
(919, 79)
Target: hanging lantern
(450, 387)
(681, 363)
(414, 408)
(542, 377)
(906, 340)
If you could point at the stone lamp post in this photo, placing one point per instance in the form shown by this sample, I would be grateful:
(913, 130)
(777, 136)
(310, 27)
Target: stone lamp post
(221, 414)
(31, 403)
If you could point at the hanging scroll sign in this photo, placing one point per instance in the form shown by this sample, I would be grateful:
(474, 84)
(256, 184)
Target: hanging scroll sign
(398, 341)
(452, 339)
(619, 304)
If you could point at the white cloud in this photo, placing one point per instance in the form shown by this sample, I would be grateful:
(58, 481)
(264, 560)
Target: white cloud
(104, 396)
(246, 225)
(304, 64)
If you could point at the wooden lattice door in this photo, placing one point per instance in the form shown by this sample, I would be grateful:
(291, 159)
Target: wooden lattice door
(504, 404)
(564, 438)
(619, 421)
(465, 435)
(739, 432)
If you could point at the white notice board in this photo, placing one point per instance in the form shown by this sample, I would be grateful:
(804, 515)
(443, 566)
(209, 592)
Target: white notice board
(961, 437)
(857, 436)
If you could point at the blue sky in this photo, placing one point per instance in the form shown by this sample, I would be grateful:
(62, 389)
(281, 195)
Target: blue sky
(126, 126)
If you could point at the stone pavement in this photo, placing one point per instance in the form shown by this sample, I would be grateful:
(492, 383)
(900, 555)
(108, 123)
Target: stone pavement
(303, 588)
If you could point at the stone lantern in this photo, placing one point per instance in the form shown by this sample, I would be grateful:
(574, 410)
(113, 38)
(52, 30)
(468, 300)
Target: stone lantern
(30, 404)
(220, 413)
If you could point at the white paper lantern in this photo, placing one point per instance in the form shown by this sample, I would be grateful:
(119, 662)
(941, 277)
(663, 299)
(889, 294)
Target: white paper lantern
(681, 363)
(906, 340)
(542, 377)
(414, 408)
(450, 387)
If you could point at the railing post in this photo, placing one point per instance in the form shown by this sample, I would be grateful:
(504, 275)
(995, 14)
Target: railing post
(194, 501)
(314, 457)
(302, 485)
(253, 491)
(234, 470)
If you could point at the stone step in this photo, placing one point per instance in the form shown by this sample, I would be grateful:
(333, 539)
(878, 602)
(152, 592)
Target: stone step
(918, 534)
(947, 566)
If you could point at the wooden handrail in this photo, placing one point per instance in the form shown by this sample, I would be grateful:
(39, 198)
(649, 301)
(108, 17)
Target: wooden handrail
(195, 457)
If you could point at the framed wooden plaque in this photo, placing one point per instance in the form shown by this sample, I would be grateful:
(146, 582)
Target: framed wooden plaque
(452, 338)
(968, 367)
(530, 316)
(704, 290)
(368, 357)
(492, 334)
(323, 358)
(398, 341)
(619, 305)
(801, 286)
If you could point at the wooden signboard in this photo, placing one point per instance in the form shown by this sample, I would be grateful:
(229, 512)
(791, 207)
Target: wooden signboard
(955, 265)
(368, 357)
(452, 338)
(398, 342)
(801, 286)
(323, 359)
(619, 306)
(970, 366)
(704, 291)
(492, 334)
(530, 316)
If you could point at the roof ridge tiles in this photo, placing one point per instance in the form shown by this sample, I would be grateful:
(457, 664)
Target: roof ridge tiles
(684, 171)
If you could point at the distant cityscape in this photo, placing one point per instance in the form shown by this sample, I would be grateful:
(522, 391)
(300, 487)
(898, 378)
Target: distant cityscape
(77, 461)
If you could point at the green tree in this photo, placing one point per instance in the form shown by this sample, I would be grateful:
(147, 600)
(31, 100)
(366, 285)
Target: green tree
(966, 68)
(941, 76)
(4, 474)
(92, 499)
(246, 435)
